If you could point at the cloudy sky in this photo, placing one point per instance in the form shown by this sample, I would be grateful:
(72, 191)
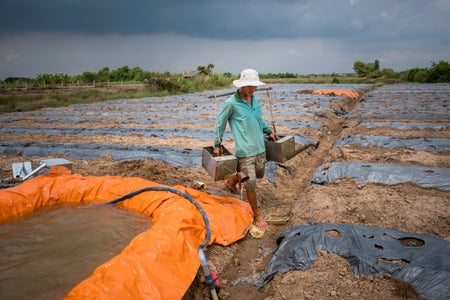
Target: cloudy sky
(298, 36)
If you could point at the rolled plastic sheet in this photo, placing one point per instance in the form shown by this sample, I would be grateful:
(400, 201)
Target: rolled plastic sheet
(347, 93)
(160, 263)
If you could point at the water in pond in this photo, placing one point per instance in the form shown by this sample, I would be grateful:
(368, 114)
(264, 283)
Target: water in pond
(46, 254)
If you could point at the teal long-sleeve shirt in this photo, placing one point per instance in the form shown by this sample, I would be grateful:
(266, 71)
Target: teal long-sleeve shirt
(246, 125)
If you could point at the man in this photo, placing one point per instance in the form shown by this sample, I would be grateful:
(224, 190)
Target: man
(243, 114)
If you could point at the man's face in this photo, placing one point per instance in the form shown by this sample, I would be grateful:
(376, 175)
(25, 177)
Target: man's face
(248, 90)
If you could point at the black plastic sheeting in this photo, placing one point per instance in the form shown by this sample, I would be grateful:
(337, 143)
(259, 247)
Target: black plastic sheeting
(183, 157)
(383, 173)
(420, 259)
(197, 133)
(129, 120)
(412, 105)
(294, 124)
(144, 121)
(405, 101)
(393, 116)
(405, 125)
(204, 134)
(420, 144)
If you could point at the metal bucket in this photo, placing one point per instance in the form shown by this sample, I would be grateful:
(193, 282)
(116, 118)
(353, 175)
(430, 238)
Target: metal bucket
(218, 166)
(281, 150)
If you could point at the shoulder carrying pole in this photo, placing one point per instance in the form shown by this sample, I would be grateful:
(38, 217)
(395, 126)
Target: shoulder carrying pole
(231, 93)
(271, 113)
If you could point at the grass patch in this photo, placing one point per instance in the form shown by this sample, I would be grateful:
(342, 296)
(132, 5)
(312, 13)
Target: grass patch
(18, 101)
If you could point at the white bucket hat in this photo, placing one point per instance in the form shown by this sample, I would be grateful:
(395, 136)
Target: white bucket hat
(249, 77)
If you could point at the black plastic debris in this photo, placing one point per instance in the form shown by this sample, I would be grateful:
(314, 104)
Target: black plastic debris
(383, 173)
(270, 171)
(420, 259)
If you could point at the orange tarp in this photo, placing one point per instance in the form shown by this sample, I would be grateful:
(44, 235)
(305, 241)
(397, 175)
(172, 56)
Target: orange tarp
(160, 263)
(348, 93)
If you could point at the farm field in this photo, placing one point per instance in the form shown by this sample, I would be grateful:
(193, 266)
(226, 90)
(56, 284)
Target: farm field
(393, 132)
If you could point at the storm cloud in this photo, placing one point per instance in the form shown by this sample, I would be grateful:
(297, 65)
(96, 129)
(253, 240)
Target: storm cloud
(304, 36)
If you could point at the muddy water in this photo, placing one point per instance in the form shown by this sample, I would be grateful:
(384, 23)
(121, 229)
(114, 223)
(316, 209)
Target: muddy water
(47, 253)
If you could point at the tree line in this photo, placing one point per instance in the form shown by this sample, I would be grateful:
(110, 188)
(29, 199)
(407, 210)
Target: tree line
(438, 72)
(102, 76)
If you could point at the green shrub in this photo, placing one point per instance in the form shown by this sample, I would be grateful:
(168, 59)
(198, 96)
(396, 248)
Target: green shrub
(420, 76)
(439, 72)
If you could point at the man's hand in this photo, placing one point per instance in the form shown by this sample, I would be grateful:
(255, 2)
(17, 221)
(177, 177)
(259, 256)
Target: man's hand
(273, 137)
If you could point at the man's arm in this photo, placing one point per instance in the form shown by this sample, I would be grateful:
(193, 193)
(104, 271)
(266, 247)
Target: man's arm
(220, 126)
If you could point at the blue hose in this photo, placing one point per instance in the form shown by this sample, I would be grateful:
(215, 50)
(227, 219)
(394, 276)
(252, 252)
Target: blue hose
(208, 277)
